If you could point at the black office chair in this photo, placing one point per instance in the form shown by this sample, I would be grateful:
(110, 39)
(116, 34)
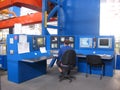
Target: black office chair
(68, 62)
(95, 61)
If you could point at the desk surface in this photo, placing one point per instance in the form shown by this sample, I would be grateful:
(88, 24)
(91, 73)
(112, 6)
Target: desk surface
(103, 56)
(32, 60)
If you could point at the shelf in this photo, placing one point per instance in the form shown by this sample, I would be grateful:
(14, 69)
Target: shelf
(32, 4)
(24, 20)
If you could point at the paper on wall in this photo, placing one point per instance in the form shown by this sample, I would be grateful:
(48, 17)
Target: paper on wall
(11, 41)
(17, 28)
(43, 50)
(23, 48)
(22, 38)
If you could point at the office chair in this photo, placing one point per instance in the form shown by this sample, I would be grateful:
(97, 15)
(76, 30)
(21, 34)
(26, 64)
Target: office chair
(95, 61)
(68, 62)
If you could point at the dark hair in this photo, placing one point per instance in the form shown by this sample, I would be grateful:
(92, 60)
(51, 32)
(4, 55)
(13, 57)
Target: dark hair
(66, 41)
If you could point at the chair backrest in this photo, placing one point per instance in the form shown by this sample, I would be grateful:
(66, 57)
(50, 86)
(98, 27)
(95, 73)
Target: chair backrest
(69, 58)
(94, 59)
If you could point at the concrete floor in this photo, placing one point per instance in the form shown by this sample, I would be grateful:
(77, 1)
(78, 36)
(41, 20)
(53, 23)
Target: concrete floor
(50, 81)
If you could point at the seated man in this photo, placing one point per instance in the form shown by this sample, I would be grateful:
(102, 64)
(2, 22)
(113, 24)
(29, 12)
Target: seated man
(61, 52)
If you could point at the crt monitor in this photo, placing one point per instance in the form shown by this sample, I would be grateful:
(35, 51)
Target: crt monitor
(85, 42)
(54, 42)
(54, 39)
(62, 38)
(104, 42)
(71, 39)
(38, 41)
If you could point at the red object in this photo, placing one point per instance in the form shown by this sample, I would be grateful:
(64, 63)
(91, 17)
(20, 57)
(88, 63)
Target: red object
(32, 4)
(24, 20)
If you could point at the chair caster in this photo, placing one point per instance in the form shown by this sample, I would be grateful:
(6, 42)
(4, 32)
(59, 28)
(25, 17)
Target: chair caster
(86, 75)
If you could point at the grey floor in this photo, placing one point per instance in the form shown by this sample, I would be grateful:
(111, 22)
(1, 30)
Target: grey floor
(50, 81)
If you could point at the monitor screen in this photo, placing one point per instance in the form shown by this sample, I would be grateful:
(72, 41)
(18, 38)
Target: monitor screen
(62, 39)
(70, 38)
(40, 41)
(104, 42)
(54, 39)
(86, 42)
(54, 45)
(54, 42)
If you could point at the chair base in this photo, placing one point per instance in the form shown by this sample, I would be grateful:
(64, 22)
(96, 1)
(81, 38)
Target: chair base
(100, 76)
(69, 77)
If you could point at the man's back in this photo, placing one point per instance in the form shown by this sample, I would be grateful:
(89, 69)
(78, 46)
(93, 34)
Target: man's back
(62, 50)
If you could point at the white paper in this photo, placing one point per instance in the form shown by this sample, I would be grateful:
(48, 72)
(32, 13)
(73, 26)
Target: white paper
(22, 38)
(17, 28)
(43, 50)
(23, 48)
(11, 41)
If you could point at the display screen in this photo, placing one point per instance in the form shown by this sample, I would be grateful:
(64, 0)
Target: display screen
(54, 39)
(86, 42)
(54, 42)
(70, 38)
(41, 41)
(38, 41)
(54, 45)
(104, 42)
(62, 39)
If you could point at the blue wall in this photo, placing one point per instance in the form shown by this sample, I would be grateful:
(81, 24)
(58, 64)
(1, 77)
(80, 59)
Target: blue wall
(81, 17)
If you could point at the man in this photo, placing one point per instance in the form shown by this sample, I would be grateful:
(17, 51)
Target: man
(61, 52)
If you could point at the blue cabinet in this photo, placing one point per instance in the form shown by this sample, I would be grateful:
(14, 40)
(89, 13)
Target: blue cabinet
(3, 62)
(118, 62)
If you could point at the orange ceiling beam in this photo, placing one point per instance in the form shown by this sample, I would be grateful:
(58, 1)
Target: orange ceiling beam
(24, 20)
(32, 4)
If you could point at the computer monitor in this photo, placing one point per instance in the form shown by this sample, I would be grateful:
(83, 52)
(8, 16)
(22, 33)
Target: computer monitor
(54, 39)
(38, 41)
(54, 42)
(62, 39)
(70, 38)
(85, 42)
(104, 42)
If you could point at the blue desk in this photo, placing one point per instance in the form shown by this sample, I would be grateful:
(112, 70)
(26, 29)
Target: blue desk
(3, 62)
(103, 56)
(108, 60)
(26, 69)
(118, 62)
(81, 63)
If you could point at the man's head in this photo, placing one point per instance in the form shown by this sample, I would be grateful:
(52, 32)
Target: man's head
(66, 41)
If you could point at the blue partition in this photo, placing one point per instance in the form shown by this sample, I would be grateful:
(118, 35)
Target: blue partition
(3, 62)
(23, 66)
(100, 45)
(118, 62)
